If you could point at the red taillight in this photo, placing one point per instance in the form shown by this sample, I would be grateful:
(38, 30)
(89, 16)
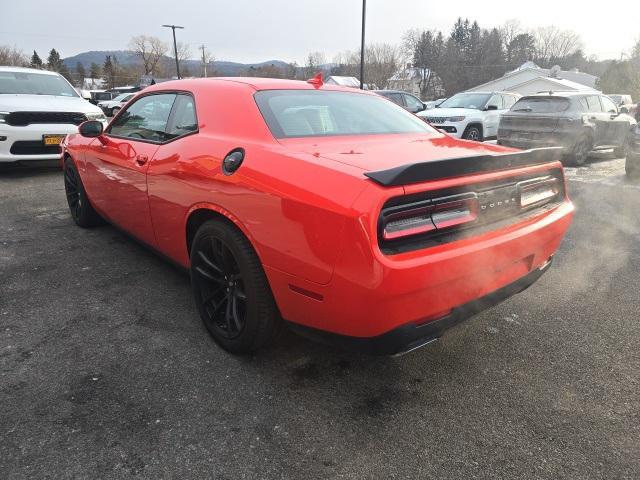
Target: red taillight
(538, 191)
(438, 214)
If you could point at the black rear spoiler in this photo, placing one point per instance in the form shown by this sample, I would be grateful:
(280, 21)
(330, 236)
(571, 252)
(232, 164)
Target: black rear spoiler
(452, 167)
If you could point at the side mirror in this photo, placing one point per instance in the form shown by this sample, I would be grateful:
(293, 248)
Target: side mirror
(624, 110)
(91, 128)
(492, 107)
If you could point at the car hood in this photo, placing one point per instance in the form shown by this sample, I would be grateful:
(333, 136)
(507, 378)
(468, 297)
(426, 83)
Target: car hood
(448, 112)
(108, 103)
(381, 152)
(45, 103)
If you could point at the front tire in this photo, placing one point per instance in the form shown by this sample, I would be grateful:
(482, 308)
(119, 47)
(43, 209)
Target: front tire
(473, 132)
(114, 111)
(231, 290)
(80, 207)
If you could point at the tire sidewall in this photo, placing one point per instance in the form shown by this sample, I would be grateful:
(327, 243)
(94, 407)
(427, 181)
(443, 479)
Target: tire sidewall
(470, 129)
(253, 290)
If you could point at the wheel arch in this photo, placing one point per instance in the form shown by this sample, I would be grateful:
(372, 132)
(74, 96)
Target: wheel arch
(200, 213)
(474, 123)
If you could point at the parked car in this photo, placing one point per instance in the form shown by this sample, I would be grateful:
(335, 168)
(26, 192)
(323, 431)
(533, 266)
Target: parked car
(471, 115)
(37, 109)
(406, 100)
(434, 103)
(632, 161)
(320, 205)
(98, 96)
(112, 107)
(577, 121)
(623, 102)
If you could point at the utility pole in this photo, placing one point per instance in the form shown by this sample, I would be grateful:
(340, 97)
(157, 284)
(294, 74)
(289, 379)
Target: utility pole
(175, 46)
(364, 15)
(204, 60)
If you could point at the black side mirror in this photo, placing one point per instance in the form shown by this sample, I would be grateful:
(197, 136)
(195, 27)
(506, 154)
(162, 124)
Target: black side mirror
(624, 110)
(492, 107)
(91, 128)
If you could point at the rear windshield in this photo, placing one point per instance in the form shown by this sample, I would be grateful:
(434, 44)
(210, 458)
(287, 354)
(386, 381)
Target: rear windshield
(314, 113)
(35, 84)
(541, 105)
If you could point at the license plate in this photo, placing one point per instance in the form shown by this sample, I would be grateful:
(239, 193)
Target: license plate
(52, 139)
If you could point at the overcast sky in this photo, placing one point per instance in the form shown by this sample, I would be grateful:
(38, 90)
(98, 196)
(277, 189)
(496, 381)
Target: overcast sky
(257, 30)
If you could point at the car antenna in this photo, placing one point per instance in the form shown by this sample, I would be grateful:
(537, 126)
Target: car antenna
(316, 81)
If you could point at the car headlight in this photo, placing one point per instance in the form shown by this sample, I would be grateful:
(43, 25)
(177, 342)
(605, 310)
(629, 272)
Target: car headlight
(96, 116)
(3, 117)
(455, 119)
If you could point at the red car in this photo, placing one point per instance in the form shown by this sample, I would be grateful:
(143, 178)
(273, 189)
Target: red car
(329, 209)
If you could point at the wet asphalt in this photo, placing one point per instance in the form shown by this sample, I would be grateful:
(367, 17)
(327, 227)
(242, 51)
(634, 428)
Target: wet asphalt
(107, 372)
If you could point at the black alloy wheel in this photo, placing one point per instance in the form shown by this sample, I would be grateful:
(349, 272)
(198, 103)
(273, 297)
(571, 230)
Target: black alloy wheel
(80, 208)
(230, 288)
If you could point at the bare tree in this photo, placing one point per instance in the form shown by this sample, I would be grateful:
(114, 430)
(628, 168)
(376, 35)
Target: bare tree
(314, 61)
(509, 31)
(12, 56)
(553, 43)
(150, 50)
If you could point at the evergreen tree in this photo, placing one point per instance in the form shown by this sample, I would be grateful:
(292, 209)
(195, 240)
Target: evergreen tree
(36, 61)
(54, 62)
(108, 70)
(95, 71)
(80, 72)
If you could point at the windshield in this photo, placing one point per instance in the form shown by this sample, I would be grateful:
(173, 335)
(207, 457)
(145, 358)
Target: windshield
(616, 98)
(541, 105)
(35, 84)
(303, 113)
(123, 97)
(466, 100)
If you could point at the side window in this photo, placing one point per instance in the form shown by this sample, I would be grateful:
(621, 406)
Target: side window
(508, 101)
(496, 100)
(413, 103)
(395, 98)
(145, 119)
(183, 119)
(593, 103)
(583, 105)
(608, 105)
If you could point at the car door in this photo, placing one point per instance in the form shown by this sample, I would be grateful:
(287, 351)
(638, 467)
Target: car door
(414, 105)
(598, 118)
(117, 162)
(492, 117)
(617, 125)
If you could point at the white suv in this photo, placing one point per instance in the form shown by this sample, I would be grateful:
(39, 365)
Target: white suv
(471, 115)
(37, 109)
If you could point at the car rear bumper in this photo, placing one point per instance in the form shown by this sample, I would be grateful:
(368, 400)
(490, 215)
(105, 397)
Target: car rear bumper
(412, 336)
(372, 294)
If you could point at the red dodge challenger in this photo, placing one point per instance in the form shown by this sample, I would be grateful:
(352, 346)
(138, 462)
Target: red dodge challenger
(329, 209)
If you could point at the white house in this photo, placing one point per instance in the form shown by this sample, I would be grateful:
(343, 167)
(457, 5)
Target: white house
(352, 82)
(529, 78)
(93, 83)
(409, 80)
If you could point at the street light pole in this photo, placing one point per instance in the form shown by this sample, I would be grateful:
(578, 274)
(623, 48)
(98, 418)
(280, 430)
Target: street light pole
(175, 46)
(364, 14)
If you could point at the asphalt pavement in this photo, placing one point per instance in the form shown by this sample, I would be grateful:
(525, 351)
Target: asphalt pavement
(107, 372)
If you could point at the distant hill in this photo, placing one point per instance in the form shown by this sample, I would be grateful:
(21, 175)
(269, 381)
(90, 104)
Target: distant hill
(124, 57)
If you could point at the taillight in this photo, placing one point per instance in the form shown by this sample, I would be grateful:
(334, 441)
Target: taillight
(437, 214)
(481, 206)
(537, 191)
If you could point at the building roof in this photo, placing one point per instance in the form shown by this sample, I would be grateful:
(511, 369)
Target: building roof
(410, 73)
(555, 73)
(558, 84)
(343, 81)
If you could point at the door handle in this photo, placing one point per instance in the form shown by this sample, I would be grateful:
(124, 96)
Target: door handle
(142, 159)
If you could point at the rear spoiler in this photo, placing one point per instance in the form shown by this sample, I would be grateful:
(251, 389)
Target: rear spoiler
(452, 167)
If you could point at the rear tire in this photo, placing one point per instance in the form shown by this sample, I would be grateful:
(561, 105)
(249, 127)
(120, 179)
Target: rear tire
(231, 290)
(581, 150)
(473, 132)
(80, 207)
